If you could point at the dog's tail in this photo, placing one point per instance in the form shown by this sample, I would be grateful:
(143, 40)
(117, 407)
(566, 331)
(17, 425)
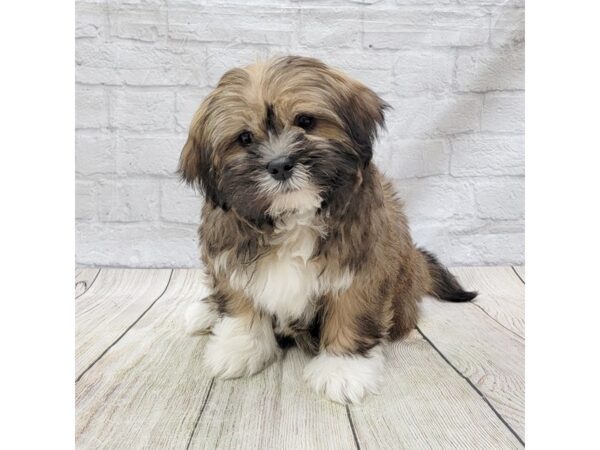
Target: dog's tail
(444, 285)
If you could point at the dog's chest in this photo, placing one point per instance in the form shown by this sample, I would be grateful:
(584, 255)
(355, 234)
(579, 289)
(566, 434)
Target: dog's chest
(285, 280)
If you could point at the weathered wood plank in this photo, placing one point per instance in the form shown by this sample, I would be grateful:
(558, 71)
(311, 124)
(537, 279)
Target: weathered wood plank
(148, 389)
(84, 278)
(520, 271)
(425, 404)
(113, 303)
(501, 294)
(483, 350)
(271, 410)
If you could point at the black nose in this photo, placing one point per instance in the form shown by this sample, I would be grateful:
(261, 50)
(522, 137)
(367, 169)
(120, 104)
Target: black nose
(281, 168)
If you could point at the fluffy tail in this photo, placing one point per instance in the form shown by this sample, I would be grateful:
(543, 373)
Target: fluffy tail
(443, 284)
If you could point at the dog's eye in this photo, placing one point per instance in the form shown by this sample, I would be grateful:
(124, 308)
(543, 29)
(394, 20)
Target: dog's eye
(306, 122)
(245, 138)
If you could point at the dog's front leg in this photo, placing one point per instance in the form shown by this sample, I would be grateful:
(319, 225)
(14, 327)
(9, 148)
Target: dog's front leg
(350, 362)
(242, 343)
(201, 315)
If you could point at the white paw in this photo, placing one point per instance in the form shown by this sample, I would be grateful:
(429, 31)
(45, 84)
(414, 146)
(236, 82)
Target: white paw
(345, 379)
(239, 347)
(199, 317)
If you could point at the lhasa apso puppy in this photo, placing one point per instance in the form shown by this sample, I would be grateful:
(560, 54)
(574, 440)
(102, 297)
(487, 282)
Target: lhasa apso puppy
(303, 240)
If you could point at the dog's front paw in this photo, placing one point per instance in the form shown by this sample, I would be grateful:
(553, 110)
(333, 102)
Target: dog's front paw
(240, 347)
(345, 379)
(200, 317)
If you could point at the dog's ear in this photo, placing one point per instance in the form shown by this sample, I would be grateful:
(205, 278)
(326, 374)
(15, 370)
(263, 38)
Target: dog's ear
(362, 111)
(189, 160)
(195, 153)
(195, 164)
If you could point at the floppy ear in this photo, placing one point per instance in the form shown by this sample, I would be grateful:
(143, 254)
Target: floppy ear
(194, 155)
(195, 164)
(189, 161)
(363, 113)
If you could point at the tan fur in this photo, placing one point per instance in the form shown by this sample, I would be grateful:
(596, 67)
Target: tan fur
(368, 275)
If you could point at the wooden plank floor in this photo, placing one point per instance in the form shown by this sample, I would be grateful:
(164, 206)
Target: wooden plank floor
(457, 381)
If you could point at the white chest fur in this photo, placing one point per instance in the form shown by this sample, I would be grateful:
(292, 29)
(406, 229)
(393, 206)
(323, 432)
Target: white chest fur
(285, 281)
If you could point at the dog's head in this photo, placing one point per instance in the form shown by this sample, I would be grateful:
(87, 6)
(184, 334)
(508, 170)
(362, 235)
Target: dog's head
(284, 136)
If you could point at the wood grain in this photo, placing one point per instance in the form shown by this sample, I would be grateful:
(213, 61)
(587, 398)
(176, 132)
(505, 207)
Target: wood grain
(483, 350)
(148, 389)
(425, 404)
(521, 271)
(274, 409)
(501, 294)
(115, 301)
(84, 278)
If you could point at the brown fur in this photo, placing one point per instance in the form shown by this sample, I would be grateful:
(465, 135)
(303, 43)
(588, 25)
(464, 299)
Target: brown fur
(360, 227)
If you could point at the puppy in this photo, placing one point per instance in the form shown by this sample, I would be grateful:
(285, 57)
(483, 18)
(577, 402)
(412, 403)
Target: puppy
(302, 238)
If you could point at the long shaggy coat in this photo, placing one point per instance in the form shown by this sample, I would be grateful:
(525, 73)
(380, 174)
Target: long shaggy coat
(302, 238)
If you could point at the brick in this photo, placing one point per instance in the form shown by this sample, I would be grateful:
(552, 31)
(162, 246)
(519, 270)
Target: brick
(418, 2)
(143, 110)
(330, 27)
(407, 158)
(402, 29)
(456, 114)
(488, 155)
(431, 116)
(347, 59)
(148, 155)
(144, 22)
(500, 199)
(179, 202)
(94, 153)
(409, 117)
(370, 67)
(504, 112)
(459, 26)
(508, 27)
(172, 64)
(136, 245)
(505, 248)
(91, 107)
(407, 27)
(485, 3)
(418, 72)
(244, 24)
(485, 70)
(254, 3)
(440, 200)
(90, 20)
(472, 249)
(96, 63)
(220, 60)
(85, 200)
(380, 81)
(135, 4)
(128, 201)
(427, 230)
(140, 64)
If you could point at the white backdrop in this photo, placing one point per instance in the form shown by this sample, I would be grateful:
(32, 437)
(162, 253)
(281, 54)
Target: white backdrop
(453, 70)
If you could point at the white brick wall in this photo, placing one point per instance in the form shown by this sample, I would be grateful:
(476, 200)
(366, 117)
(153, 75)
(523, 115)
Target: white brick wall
(453, 70)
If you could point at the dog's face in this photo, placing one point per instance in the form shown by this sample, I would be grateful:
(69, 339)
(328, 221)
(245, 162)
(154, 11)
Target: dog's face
(281, 137)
